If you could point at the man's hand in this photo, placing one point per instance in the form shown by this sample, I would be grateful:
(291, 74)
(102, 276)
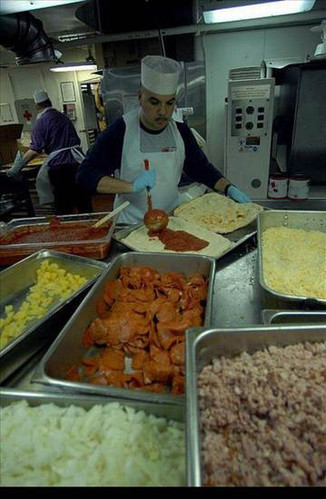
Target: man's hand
(146, 179)
(237, 195)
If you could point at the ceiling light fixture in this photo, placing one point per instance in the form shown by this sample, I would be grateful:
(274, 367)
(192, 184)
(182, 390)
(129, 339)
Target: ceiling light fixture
(256, 10)
(74, 66)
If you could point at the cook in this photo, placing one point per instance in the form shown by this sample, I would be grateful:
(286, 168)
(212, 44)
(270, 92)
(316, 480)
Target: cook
(55, 134)
(149, 133)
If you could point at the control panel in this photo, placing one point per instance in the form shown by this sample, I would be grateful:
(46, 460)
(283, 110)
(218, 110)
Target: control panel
(248, 135)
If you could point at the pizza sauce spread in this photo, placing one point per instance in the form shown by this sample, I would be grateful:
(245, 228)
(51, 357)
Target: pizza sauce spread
(179, 240)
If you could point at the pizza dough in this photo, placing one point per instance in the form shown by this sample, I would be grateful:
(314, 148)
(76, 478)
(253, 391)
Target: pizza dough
(218, 213)
(139, 239)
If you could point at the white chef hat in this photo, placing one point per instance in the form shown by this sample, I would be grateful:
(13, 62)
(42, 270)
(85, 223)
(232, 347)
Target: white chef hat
(40, 96)
(160, 74)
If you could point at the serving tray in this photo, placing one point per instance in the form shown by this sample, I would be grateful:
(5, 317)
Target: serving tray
(236, 237)
(15, 283)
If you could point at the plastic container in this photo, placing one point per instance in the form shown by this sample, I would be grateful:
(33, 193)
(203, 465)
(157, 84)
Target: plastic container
(298, 187)
(278, 186)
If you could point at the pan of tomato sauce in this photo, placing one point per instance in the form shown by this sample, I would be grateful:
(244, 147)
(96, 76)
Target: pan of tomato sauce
(55, 232)
(77, 237)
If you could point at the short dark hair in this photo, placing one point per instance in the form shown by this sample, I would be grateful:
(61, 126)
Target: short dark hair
(45, 103)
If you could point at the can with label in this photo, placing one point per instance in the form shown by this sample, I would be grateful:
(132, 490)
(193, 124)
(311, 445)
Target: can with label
(298, 187)
(278, 186)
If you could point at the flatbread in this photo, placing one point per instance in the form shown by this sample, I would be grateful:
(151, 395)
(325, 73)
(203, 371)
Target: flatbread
(139, 239)
(218, 213)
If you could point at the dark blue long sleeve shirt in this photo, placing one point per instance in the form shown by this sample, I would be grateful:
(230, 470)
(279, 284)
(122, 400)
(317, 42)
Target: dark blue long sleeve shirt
(104, 158)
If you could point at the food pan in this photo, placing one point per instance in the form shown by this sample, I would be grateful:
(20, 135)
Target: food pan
(171, 412)
(94, 246)
(204, 345)
(305, 220)
(67, 349)
(293, 317)
(15, 283)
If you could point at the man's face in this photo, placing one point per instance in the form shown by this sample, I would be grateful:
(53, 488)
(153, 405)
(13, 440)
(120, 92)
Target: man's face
(156, 110)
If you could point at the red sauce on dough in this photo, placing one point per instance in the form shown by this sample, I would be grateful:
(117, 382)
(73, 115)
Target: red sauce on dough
(55, 232)
(179, 240)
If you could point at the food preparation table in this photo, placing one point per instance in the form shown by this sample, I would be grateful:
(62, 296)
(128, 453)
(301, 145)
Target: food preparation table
(238, 298)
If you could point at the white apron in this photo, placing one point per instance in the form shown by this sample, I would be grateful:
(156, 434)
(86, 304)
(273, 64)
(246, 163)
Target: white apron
(168, 166)
(43, 184)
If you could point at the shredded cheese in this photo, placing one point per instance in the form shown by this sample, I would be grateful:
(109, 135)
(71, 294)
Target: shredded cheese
(294, 261)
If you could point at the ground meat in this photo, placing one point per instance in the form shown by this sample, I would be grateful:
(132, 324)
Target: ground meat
(263, 418)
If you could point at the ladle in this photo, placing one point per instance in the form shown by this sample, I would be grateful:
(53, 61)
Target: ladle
(110, 215)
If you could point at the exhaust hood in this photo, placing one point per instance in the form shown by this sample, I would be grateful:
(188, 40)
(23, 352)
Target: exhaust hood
(23, 35)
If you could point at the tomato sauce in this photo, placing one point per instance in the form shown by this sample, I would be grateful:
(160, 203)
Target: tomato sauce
(180, 240)
(55, 232)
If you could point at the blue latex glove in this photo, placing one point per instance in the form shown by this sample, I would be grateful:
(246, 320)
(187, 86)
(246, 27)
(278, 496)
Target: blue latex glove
(237, 195)
(146, 179)
(19, 163)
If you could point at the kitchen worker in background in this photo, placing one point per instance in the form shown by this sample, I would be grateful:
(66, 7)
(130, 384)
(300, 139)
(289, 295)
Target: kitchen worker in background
(54, 134)
(100, 107)
(149, 133)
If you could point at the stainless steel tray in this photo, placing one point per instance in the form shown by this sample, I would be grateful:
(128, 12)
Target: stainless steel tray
(8, 396)
(293, 317)
(15, 282)
(67, 349)
(236, 237)
(205, 344)
(305, 220)
(171, 412)
(88, 248)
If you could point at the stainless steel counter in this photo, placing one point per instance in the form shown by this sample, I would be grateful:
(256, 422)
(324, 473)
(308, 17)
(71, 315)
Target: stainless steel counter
(311, 204)
(238, 298)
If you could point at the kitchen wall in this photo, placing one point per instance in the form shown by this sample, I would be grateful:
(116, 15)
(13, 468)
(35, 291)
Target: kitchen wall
(228, 50)
(222, 51)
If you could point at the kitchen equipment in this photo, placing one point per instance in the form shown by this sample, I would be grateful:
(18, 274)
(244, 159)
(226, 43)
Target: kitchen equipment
(148, 189)
(205, 344)
(15, 283)
(111, 214)
(302, 117)
(305, 220)
(98, 248)
(68, 350)
(8, 396)
(250, 107)
(293, 317)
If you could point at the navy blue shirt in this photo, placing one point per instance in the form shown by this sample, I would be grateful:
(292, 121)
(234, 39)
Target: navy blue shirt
(104, 158)
(53, 131)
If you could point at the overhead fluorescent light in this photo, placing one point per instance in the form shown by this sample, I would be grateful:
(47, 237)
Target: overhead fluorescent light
(13, 6)
(257, 10)
(74, 66)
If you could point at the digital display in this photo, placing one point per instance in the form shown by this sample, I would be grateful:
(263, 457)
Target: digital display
(252, 141)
